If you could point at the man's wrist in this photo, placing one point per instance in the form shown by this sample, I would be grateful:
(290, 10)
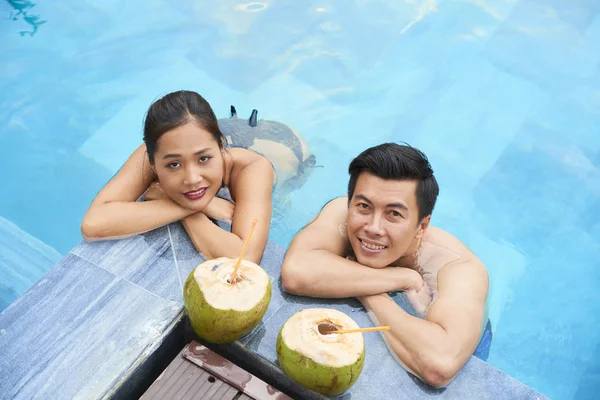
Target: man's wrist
(365, 300)
(408, 279)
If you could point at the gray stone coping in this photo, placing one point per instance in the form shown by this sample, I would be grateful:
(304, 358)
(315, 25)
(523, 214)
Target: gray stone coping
(103, 308)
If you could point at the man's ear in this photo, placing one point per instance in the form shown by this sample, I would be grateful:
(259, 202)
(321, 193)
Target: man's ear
(423, 225)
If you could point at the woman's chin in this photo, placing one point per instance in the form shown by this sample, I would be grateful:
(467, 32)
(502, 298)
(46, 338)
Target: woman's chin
(197, 208)
(193, 205)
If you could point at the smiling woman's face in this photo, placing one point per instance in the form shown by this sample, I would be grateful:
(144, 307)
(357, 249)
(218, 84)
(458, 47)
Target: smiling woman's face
(383, 219)
(189, 166)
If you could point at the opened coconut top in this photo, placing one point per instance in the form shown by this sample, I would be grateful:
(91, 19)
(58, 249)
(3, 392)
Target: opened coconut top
(248, 288)
(307, 332)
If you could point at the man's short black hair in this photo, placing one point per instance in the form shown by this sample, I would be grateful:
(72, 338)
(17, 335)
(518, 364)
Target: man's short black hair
(398, 162)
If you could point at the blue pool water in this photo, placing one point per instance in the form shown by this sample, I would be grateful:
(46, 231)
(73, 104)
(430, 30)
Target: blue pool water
(503, 95)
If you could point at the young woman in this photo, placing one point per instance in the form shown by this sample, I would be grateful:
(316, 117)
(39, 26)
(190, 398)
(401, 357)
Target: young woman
(179, 169)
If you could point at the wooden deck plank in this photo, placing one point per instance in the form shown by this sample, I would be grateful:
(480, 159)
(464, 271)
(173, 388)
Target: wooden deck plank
(230, 393)
(161, 385)
(199, 386)
(199, 373)
(231, 373)
(221, 390)
(215, 387)
(184, 380)
(183, 374)
(184, 384)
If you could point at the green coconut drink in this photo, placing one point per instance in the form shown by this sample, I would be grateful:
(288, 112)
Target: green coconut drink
(221, 311)
(326, 363)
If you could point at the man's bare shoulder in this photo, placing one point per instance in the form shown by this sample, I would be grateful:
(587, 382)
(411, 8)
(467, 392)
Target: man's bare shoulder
(324, 231)
(461, 285)
(452, 262)
(463, 275)
(333, 213)
(446, 240)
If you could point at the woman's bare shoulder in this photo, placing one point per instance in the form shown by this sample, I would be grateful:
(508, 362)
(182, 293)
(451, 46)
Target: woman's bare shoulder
(244, 157)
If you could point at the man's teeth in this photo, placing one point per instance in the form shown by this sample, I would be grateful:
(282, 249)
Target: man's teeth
(372, 246)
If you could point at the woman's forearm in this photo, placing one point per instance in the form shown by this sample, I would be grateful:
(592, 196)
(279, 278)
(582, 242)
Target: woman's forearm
(115, 220)
(212, 241)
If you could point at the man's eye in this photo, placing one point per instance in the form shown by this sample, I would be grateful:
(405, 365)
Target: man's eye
(363, 205)
(396, 214)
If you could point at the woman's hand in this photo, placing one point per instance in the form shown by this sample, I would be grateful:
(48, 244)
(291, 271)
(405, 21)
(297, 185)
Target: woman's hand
(219, 208)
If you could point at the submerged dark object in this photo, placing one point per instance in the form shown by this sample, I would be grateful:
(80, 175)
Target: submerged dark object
(289, 154)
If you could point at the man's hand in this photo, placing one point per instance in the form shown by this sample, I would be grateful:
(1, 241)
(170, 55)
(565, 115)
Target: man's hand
(420, 299)
(409, 279)
(417, 292)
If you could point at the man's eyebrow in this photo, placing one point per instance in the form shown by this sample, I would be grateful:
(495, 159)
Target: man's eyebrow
(401, 206)
(171, 155)
(363, 198)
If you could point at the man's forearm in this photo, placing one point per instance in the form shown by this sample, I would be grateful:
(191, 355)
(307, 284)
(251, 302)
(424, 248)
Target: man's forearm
(421, 346)
(320, 273)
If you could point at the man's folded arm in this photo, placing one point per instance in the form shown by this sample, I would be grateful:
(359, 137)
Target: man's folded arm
(315, 263)
(436, 348)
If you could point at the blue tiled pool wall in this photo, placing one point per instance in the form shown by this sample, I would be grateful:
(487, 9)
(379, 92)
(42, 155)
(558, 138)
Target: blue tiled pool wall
(502, 95)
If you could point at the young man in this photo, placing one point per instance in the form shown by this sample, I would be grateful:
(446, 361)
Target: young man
(378, 240)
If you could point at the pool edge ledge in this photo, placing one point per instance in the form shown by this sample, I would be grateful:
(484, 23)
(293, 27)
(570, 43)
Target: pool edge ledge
(136, 334)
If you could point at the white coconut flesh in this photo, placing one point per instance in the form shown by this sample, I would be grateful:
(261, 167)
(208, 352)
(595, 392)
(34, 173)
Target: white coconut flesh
(306, 333)
(249, 288)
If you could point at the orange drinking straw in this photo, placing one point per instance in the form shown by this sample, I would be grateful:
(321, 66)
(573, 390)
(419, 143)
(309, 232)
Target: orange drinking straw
(375, 328)
(239, 260)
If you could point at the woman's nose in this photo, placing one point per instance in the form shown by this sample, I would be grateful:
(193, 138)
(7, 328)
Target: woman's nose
(192, 176)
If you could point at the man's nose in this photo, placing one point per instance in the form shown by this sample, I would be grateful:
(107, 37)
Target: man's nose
(375, 225)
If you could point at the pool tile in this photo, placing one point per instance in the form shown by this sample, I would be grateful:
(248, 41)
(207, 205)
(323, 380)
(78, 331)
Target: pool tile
(186, 256)
(145, 260)
(76, 332)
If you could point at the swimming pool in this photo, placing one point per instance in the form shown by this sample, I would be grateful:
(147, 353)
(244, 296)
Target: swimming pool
(503, 96)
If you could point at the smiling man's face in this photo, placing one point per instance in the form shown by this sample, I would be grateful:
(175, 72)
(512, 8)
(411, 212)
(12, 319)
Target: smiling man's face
(383, 220)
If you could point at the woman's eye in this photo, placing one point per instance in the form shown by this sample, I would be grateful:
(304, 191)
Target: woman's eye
(204, 159)
(173, 165)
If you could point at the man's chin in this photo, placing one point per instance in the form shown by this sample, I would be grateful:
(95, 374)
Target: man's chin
(371, 262)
